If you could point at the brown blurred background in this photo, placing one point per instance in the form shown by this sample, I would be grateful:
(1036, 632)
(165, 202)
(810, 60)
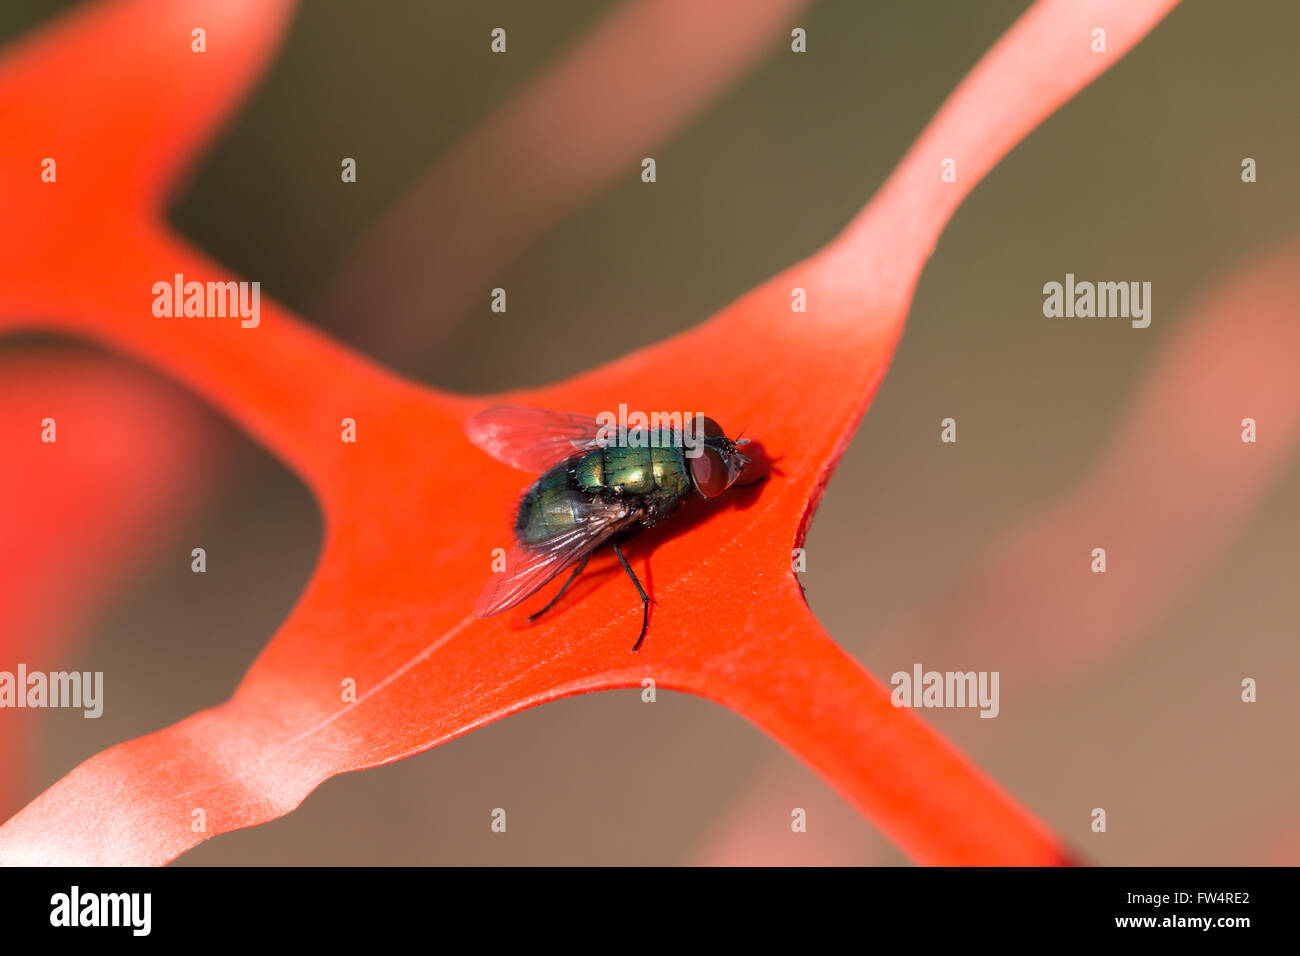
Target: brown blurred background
(1137, 178)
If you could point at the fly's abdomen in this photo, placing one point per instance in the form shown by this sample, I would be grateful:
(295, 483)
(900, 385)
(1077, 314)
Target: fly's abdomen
(551, 507)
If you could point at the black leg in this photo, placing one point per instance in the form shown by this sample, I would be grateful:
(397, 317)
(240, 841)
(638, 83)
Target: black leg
(751, 484)
(560, 593)
(645, 598)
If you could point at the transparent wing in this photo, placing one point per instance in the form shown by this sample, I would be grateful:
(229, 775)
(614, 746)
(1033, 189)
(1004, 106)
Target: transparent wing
(529, 568)
(531, 439)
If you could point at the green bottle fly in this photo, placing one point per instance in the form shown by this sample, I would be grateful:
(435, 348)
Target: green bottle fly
(593, 491)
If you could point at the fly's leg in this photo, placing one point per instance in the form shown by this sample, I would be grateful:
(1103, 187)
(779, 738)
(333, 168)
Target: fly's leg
(560, 593)
(645, 598)
(756, 481)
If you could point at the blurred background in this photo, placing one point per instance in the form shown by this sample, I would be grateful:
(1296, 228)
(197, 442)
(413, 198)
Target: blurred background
(1138, 178)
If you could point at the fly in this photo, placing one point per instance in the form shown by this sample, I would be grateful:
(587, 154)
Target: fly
(593, 491)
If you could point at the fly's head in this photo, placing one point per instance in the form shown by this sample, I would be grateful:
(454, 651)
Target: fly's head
(716, 463)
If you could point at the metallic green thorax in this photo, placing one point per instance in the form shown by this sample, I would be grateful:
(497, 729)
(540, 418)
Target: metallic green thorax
(647, 481)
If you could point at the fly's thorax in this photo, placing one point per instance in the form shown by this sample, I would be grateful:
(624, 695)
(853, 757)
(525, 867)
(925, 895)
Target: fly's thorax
(670, 470)
(658, 470)
(629, 471)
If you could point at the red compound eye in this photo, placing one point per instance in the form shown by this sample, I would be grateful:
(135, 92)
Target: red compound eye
(710, 473)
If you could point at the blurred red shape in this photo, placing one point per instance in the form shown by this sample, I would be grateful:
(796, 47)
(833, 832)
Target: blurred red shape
(1168, 491)
(387, 606)
(129, 460)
